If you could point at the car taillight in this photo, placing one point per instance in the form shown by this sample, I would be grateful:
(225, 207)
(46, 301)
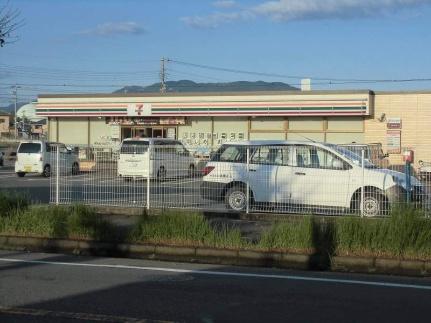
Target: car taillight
(207, 170)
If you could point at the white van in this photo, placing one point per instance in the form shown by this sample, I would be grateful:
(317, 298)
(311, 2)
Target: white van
(303, 175)
(35, 156)
(154, 158)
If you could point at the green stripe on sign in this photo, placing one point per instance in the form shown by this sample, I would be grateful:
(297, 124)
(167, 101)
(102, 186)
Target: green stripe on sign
(260, 109)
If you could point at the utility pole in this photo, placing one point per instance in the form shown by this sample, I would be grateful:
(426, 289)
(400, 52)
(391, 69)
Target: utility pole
(15, 92)
(163, 75)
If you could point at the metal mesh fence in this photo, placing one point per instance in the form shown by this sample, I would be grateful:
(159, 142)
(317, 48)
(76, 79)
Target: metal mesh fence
(246, 177)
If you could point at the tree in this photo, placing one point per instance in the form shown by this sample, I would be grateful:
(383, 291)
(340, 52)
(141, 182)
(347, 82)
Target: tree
(9, 22)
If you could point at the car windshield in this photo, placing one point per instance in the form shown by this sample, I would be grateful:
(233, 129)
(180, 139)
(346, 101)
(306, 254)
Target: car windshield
(29, 148)
(355, 158)
(134, 147)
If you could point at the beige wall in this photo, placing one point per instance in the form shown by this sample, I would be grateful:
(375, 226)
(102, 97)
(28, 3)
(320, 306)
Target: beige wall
(100, 132)
(52, 129)
(414, 109)
(72, 130)
(4, 124)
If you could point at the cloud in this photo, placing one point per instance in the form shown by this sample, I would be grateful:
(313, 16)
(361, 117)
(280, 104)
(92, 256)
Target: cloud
(115, 28)
(294, 10)
(224, 4)
(214, 20)
(288, 10)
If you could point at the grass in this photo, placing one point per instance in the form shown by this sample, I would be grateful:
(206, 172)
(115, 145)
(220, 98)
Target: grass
(79, 222)
(405, 234)
(289, 236)
(186, 230)
(11, 202)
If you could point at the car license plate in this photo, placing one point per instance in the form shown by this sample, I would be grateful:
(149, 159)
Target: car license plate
(27, 168)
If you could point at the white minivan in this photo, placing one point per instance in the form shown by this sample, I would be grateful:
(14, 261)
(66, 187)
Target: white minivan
(154, 158)
(303, 176)
(36, 156)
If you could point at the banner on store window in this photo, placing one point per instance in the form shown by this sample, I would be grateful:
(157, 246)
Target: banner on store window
(393, 139)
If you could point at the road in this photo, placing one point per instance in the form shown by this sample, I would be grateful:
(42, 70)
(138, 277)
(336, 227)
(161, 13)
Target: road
(58, 288)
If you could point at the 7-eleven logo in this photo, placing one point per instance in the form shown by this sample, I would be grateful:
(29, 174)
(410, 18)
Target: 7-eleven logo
(139, 109)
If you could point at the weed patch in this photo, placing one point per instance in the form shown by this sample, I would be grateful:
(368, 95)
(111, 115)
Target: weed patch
(185, 229)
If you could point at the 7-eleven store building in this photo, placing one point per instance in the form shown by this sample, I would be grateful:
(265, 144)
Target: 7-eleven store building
(207, 119)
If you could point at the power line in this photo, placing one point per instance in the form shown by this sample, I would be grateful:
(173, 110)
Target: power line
(330, 79)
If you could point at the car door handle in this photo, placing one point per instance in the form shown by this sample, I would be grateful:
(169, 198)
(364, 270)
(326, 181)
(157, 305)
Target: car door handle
(298, 173)
(252, 170)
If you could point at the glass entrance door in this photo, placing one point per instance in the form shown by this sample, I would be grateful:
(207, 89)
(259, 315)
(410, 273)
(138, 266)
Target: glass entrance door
(159, 133)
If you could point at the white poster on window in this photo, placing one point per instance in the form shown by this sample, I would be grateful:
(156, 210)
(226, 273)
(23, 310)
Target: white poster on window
(115, 131)
(170, 133)
(393, 138)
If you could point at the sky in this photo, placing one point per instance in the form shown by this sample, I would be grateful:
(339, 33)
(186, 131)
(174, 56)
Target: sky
(87, 46)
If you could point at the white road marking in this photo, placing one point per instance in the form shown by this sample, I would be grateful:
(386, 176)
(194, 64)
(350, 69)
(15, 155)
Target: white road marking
(225, 273)
(7, 176)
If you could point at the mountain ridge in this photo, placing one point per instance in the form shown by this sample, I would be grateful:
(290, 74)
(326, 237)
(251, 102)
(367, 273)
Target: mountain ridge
(190, 86)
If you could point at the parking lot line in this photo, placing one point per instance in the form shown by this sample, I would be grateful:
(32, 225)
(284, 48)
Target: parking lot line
(180, 182)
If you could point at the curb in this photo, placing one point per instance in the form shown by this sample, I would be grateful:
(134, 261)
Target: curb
(218, 256)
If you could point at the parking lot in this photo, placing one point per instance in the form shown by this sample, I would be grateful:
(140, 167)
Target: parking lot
(103, 187)
(108, 190)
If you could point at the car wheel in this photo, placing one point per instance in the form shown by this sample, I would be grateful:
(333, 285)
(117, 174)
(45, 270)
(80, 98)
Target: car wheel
(47, 171)
(161, 174)
(20, 174)
(236, 198)
(192, 170)
(374, 205)
(75, 169)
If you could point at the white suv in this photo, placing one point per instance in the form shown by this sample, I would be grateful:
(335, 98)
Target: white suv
(35, 156)
(303, 175)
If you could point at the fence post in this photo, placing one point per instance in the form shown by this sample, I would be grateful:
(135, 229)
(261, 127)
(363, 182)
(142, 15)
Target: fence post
(57, 175)
(408, 182)
(248, 181)
(148, 177)
(362, 181)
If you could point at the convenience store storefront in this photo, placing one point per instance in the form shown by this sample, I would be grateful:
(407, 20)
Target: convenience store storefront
(207, 119)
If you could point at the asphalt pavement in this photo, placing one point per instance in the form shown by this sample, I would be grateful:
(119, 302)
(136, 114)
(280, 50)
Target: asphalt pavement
(58, 288)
